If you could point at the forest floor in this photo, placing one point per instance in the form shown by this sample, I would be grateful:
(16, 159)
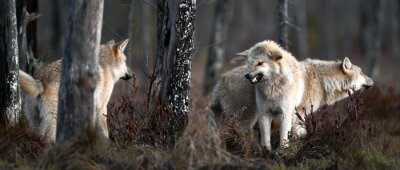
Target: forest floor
(359, 132)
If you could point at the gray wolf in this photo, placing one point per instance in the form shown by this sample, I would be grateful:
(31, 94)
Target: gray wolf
(42, 90)
(276, 86)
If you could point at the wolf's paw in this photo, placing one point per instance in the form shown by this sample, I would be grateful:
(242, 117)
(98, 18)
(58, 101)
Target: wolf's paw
(300, 132)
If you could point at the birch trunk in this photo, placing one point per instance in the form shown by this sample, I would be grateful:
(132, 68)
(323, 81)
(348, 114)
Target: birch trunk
(179, 85)
(9, 88)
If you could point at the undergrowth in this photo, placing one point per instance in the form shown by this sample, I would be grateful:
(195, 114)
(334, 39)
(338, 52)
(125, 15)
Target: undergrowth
(359, 132)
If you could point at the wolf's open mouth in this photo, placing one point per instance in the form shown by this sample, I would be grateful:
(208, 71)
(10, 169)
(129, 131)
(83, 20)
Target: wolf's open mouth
(256, 78)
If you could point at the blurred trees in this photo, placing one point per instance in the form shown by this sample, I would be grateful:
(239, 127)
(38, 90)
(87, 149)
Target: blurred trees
(9, 87)
(371, 23)
(76, 110)
(219, 30)
(283, 24)
(300, 17)
(329, 29)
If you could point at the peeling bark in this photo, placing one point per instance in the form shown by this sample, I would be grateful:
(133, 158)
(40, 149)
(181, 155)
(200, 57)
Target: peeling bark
(222, 18)
(9, 88)
(76, 106)
(166, 41)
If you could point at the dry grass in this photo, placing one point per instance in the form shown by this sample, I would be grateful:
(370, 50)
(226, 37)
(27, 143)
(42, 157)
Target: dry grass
(362, 132)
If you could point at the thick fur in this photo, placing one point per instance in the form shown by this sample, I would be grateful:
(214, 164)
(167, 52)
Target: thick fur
(43, 91)
(327, 82)
(287, 84)
(274, 95)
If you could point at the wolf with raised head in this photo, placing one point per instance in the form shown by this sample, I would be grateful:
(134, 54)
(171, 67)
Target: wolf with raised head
(42, 90)
(273, 89)
(276, 85)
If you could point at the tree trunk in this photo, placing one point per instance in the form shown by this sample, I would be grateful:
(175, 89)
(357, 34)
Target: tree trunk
(179, 85)
(79, 77)
(283, 24)
(328, 33)
(222, 17)
(166, 41)
(302, 34)
(175, 30)
(9, 87)
(371, 23)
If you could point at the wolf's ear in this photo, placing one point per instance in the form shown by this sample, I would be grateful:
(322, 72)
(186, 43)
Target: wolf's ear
(122, 45)
(275, 55)
(346, 65)
(110, 42)
(244, 53)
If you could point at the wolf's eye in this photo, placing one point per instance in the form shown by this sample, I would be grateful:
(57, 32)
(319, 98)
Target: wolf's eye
(260, 63)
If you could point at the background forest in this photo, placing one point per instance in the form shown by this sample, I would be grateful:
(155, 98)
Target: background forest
(359, 132)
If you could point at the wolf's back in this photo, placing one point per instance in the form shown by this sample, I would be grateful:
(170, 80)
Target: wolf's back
(29, 85)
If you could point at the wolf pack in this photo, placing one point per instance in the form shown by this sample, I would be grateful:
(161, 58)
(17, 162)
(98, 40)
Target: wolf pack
(271, 85)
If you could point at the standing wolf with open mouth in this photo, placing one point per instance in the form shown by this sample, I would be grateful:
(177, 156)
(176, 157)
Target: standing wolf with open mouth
(277, 85)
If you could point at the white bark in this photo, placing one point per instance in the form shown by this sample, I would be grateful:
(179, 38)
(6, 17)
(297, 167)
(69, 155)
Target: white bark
(9, 88)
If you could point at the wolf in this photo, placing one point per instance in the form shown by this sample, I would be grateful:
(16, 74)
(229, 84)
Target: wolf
(318, 83)
(273, 89)
(42, 90)
(327, 82)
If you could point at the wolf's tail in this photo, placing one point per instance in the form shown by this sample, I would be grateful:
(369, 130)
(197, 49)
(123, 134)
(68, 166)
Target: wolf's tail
(29, 85)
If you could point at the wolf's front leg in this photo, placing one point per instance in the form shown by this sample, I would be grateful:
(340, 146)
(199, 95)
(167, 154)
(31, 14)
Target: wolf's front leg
(264, 121)
(101, 124)
(286, 125)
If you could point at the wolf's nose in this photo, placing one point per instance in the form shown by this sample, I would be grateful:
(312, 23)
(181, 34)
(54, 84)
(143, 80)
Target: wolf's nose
(367, 86)
(128, 76)
(248, 76)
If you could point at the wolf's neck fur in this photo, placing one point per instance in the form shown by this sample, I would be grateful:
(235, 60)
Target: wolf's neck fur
(325, 84)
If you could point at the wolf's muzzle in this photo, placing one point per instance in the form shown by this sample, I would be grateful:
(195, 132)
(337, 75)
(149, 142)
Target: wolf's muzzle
(254, 78)
(369, 84)
(128, 76)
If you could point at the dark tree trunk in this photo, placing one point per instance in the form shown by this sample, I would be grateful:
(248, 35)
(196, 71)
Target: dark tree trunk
(222, 17)
(79, 77)
(302, 34)
(371, 23)
(9, 87)
(166, 41)
(328, 33)
(283, 23)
